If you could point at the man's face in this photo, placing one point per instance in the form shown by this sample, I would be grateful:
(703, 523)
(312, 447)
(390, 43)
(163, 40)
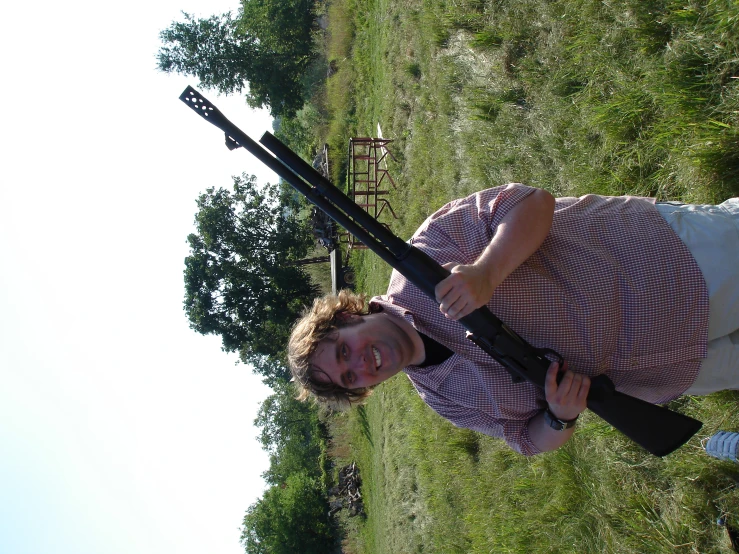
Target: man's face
(369, 350)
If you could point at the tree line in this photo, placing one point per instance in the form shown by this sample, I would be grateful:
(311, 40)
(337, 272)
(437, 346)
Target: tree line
(240, 283)
(292, 515)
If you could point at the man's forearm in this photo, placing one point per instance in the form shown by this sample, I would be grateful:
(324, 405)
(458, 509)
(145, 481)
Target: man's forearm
(519, 235)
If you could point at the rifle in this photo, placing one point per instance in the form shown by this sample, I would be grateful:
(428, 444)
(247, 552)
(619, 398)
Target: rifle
(656, 428)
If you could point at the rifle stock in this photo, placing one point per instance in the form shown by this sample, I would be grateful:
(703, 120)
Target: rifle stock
(658, 430)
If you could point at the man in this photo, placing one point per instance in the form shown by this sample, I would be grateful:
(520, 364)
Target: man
(647, 294)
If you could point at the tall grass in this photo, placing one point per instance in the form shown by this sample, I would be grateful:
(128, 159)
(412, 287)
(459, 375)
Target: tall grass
(625, 97)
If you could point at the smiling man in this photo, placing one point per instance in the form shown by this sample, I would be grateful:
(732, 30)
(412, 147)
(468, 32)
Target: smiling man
(367, 351)
(647, 294)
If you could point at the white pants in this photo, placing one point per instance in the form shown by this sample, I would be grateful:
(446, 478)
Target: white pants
(711, 233)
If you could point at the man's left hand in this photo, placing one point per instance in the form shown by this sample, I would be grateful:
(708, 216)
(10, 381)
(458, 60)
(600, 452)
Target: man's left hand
(466, 289)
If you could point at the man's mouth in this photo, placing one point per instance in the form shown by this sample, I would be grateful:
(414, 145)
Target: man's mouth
(378, 358)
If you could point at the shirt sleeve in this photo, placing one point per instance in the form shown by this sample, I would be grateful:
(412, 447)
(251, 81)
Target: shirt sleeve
(514, 432)
(493, 204)
(462, 229)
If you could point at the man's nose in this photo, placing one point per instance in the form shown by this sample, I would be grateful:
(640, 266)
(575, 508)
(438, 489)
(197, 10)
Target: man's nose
(359, 362)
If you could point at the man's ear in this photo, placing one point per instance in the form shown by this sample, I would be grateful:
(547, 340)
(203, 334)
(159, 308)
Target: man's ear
(342, 317)
(347, 318)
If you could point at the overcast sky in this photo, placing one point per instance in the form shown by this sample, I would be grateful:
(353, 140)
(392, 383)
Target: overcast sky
(121, 430)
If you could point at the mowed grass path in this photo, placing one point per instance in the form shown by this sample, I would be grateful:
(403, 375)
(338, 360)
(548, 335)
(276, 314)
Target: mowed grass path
(635, 97)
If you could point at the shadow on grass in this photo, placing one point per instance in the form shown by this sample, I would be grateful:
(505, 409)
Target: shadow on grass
(723, 162)
(467, 441)
(361, 410)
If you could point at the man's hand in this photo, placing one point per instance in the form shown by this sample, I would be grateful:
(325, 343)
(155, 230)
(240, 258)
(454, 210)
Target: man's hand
(568, 399)
(465, 290)
(518, 235)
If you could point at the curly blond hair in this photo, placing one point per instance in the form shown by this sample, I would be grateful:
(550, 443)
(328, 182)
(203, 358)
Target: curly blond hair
(322, 321)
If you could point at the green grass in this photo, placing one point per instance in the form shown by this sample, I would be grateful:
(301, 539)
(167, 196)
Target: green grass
(628, 97)
(429, 487)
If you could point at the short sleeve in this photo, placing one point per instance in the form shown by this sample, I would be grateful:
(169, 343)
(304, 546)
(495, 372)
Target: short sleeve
(461, 229)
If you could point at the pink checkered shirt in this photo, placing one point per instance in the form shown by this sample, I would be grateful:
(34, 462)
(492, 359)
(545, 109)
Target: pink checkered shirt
(612, 289)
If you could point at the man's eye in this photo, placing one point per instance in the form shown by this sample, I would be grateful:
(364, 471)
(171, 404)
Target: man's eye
(350, 378)
(344, 352)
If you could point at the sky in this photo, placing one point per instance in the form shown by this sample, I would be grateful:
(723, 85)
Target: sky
(121, 430)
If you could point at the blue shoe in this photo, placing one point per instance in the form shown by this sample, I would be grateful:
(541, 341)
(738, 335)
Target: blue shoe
(724, 445)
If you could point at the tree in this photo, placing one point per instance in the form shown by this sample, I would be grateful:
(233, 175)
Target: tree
(237, 283)
(211, 49)
(299, 132)
(284, 31)
(290, 517)
(281, 418)
(291, 432)
(265, 52)
(273, 369)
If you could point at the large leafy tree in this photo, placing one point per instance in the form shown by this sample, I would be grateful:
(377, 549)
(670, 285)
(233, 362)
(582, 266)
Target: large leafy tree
(286, 49)
(290, 517)
(265, 52)
(291, 432)
(211, 49)
(237, 283)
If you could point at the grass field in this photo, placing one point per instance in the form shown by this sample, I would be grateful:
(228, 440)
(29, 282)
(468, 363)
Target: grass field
(630, 97)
